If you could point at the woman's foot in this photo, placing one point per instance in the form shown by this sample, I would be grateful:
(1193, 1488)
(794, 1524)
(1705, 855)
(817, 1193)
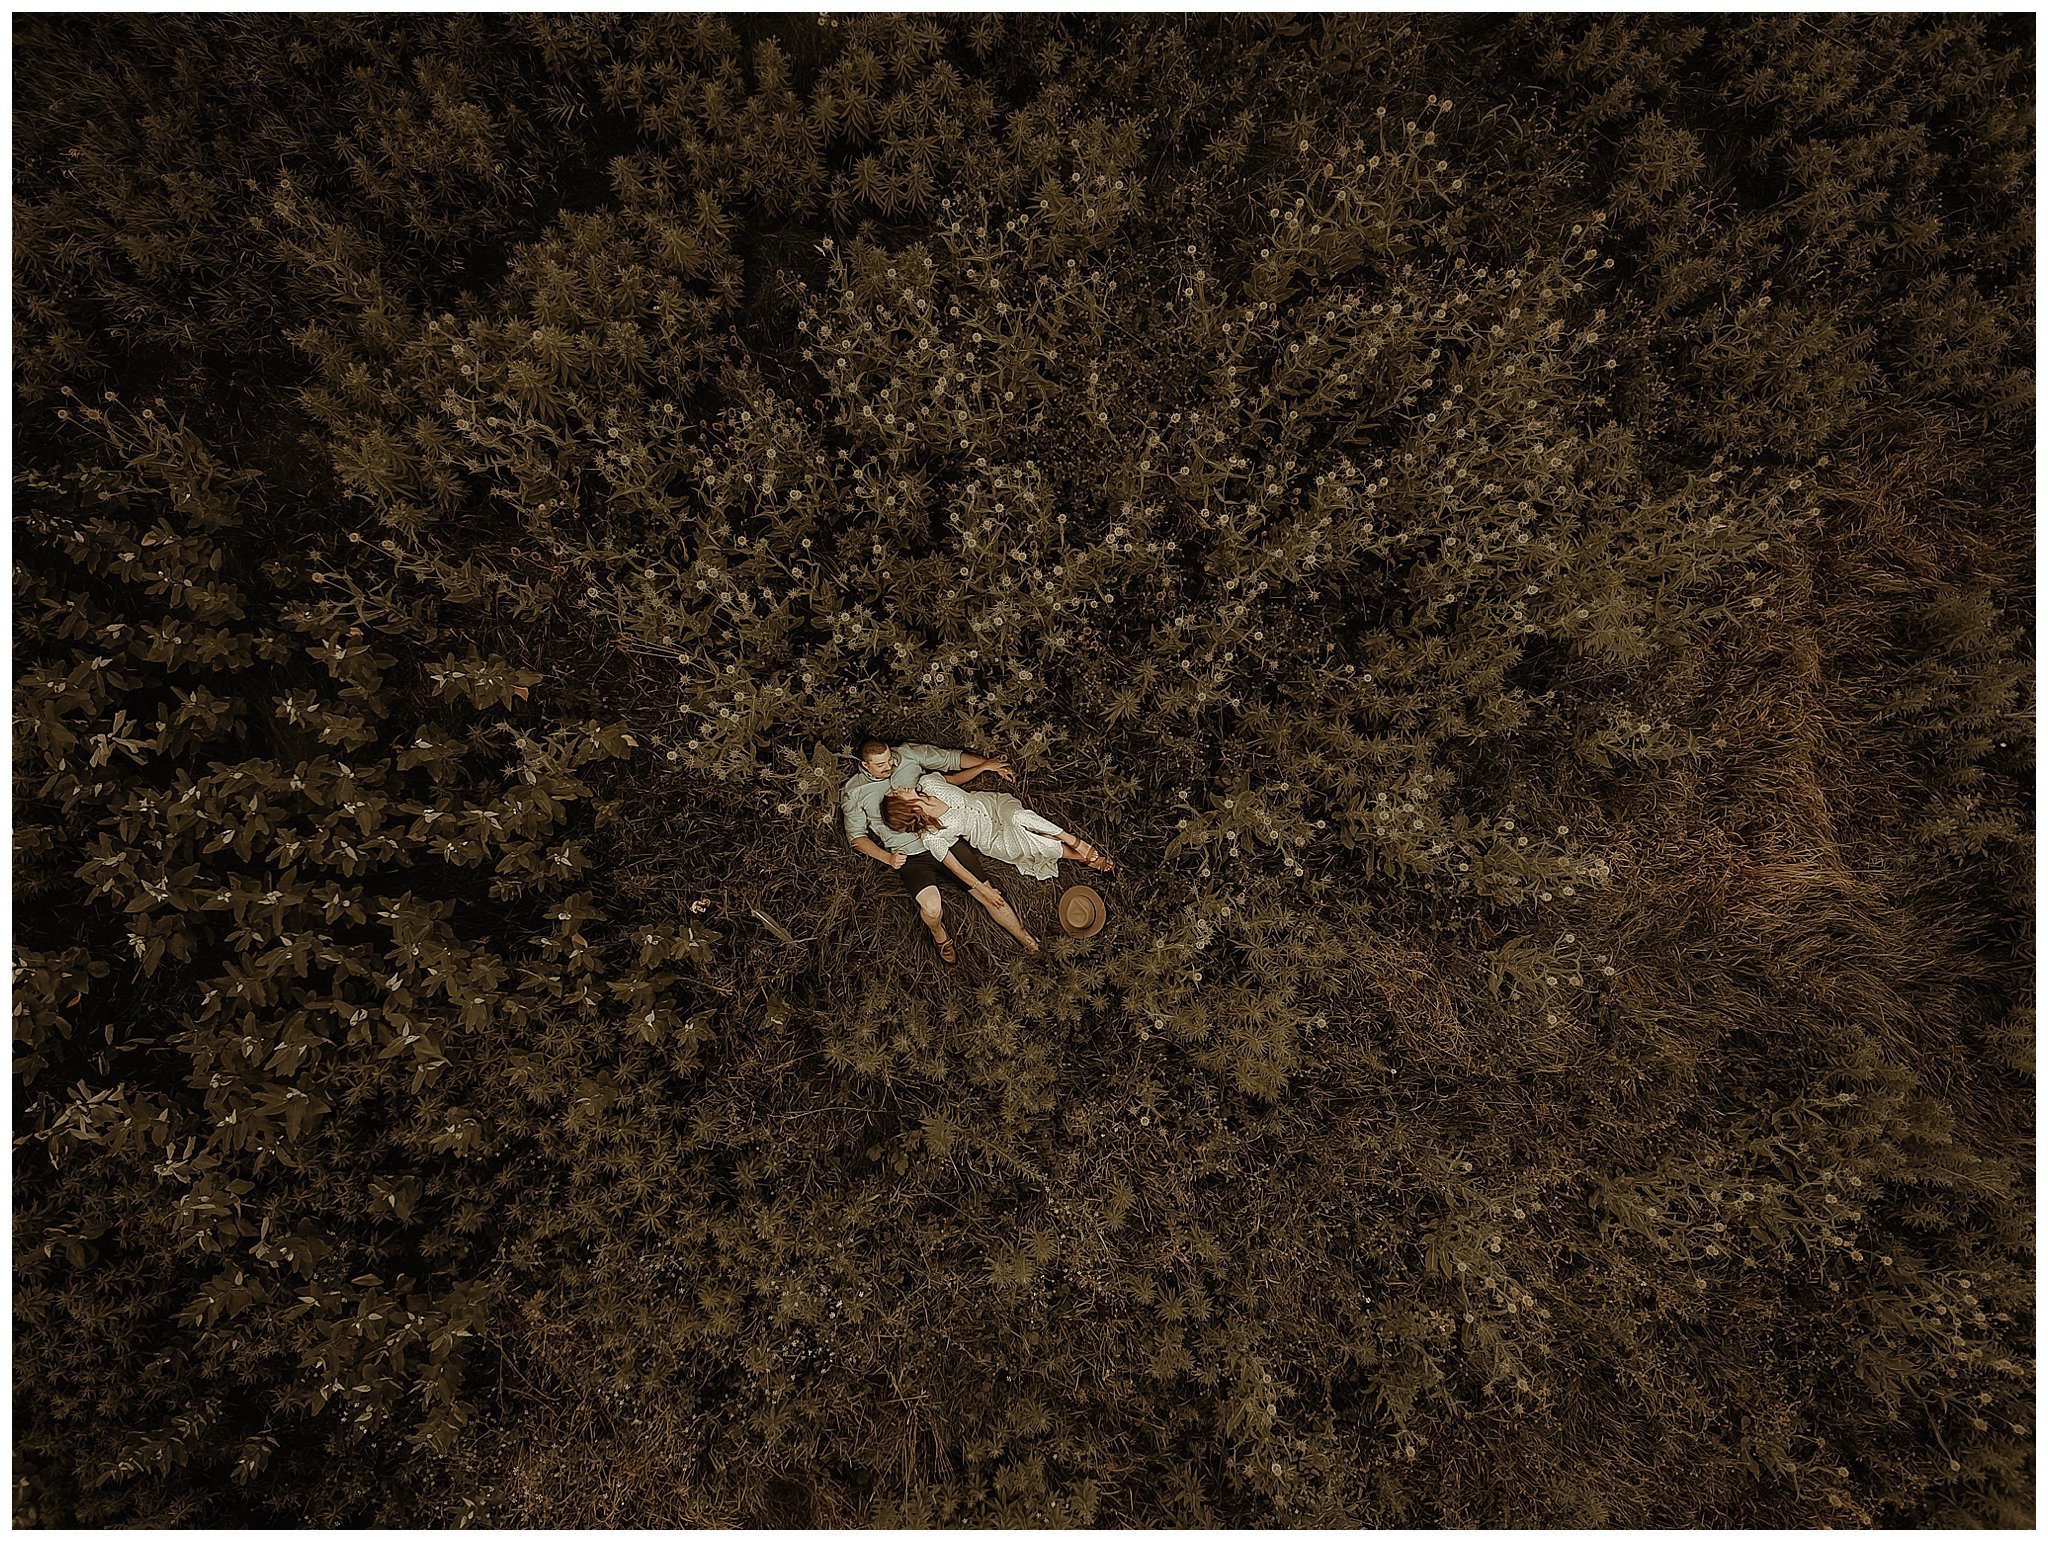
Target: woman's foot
(1086, 853)
(945, 946)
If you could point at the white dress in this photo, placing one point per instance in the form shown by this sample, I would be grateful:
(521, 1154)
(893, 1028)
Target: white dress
(994, 824)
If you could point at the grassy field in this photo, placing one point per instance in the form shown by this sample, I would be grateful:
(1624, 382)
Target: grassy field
(1516, 533)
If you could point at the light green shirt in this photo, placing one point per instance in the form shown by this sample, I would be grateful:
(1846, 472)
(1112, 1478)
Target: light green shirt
(860, 800)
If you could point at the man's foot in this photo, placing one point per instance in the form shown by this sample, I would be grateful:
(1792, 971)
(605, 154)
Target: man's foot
(1030, 943)
(945, 945)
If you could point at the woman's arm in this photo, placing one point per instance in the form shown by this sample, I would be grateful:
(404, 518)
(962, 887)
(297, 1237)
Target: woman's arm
(974, 884)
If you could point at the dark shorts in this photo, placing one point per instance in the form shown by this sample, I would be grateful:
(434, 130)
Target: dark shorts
(924, 870)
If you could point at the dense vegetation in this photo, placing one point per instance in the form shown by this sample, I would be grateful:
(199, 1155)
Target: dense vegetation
(1516, 533)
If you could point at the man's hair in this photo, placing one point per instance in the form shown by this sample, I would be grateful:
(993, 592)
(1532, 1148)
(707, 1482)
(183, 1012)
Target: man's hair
(900, 811)
(871, 747)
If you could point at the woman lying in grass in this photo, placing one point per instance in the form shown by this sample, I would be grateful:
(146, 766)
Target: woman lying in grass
(993, 824)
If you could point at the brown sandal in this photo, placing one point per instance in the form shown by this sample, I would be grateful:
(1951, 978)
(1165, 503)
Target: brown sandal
(946, 950)
(1097, 860)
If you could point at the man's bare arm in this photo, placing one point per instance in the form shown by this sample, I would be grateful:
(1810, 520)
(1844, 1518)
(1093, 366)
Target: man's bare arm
(972, 765)
(869, 845)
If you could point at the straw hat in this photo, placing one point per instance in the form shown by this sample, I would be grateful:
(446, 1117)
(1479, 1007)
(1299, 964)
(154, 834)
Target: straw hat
(1082, 911)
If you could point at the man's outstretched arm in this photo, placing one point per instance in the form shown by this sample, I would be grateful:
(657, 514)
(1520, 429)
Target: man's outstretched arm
(972, 765)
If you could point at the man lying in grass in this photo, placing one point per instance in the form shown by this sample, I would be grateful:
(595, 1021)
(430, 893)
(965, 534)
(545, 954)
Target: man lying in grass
(931, 835)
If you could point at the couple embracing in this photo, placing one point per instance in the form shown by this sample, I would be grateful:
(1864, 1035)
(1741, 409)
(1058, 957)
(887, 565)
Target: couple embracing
(909, 808)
